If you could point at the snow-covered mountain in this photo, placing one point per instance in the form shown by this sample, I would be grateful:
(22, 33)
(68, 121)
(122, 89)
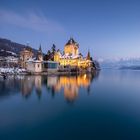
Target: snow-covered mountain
(122, 63)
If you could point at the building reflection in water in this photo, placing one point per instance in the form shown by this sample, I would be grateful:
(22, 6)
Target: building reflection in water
(38, 86)
(69, 86)
(30, 83)
(27, 85)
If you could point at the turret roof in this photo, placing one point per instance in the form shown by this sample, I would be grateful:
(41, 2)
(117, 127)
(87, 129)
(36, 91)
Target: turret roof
(72, 41)
(40, 49)
(88, 56)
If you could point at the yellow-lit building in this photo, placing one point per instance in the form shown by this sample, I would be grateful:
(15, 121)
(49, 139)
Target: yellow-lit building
(72, 57)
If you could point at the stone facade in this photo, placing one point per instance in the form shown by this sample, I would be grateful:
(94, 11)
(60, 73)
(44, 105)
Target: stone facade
(25, 55)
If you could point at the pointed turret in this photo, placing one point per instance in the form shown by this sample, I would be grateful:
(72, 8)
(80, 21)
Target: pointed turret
(39, 54)
(88, 55)
(71, 41)
(40, 49)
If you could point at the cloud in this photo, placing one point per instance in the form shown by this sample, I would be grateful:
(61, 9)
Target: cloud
(31, 20)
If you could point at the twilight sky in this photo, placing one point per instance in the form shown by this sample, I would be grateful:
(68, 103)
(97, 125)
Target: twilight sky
(108, 28)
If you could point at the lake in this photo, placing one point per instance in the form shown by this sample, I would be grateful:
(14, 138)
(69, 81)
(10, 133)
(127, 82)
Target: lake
(103, 106)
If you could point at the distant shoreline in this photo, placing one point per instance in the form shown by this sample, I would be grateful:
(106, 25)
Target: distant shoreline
(130, 68)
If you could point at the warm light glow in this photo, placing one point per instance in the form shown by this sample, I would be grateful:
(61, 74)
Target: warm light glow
(75, 59)
(70, 85)
(85, 76)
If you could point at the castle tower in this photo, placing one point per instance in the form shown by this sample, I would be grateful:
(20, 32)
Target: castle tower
(71, 47)
(57, 56)
(25, 55)
(40, 54)
(88, 56)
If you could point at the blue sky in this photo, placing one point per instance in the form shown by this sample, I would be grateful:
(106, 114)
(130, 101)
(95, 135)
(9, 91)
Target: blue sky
(108, 28)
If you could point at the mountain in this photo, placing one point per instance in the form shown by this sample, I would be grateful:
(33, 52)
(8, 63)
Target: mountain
(10, 48)
(127, 63)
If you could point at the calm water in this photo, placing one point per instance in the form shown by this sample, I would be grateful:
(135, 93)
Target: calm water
(105, 106)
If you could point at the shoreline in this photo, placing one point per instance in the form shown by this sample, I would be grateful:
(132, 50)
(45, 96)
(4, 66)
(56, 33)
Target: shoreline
(47, 73)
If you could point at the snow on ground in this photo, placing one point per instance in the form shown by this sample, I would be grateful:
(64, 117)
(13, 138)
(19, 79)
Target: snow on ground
(12, 59)
(12, 53)
(12, 70)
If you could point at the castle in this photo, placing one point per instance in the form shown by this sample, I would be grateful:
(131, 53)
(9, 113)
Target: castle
(72, 57)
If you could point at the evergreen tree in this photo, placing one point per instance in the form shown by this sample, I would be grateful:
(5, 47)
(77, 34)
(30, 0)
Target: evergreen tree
(53, 48)
(49, 52)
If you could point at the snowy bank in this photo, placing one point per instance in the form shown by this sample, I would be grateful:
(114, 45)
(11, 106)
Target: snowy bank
(13, 71)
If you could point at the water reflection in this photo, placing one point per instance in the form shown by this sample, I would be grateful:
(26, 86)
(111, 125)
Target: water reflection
(27, 85)
(69, 86)
(35, 106)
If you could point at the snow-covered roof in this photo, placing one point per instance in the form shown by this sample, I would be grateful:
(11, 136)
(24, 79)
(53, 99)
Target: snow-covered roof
(34, 60)
(70, 56)
(31, 59)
